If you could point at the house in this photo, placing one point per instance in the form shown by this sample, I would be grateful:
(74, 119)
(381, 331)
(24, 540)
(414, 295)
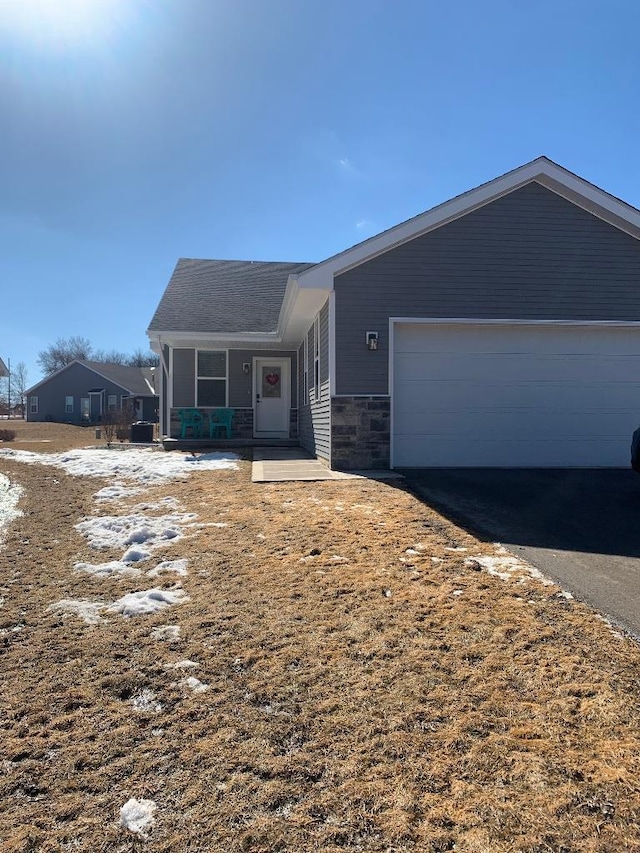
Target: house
(86, 391)
(501, 328)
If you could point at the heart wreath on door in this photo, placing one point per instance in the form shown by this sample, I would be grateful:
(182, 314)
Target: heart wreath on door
(272, 379)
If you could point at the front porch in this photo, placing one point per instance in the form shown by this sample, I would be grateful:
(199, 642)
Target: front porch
(200, 444)
(242, 430)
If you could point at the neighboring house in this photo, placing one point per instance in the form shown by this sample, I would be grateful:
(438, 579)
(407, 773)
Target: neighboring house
(4, 372)
(501, 328)
(86, 391)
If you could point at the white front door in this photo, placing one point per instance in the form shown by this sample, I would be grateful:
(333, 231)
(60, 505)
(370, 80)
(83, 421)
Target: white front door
(271, 397)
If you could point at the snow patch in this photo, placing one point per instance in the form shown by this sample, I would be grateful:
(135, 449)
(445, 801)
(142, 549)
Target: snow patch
(166, 632)
(178, 567)
(504, 565)
(163, 503)
(105, 570)
(120, 531)
(147, 601)
(193, 684)
(144, 465)
(88, 611)
(182, 664)
(116, 492)
(135, 555)
(137, 816)
(146, 700)
(10, 494)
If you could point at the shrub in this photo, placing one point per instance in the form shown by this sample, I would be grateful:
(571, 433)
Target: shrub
(7, 434)
(109, 424)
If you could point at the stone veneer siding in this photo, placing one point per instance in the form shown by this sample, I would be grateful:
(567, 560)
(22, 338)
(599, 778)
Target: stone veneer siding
(360, 432)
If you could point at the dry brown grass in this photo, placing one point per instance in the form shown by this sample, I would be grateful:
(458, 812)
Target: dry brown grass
(49, 437)
(353, 704)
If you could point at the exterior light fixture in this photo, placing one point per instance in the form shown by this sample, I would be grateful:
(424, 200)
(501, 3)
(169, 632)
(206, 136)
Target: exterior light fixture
(246, 367)
(372, 340)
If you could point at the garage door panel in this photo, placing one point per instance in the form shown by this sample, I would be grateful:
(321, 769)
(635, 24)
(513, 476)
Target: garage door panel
(519, 367)
(536, 396)
(413, 452)
(525, 424)
(502, 338)
(469, 396)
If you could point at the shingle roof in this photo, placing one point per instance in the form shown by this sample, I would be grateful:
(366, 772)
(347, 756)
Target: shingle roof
(223, 296)
(136, 380)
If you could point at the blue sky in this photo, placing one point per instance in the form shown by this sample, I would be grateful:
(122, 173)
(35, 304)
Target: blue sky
(135, 132)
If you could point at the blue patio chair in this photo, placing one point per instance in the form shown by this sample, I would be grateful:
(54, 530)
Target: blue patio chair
(192, 419)
(221, 419)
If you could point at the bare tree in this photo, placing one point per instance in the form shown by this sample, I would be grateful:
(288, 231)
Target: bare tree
(111, 356)
(63, 352)
(143, 359)
(66, 350)
(4, 395)
(19, 384)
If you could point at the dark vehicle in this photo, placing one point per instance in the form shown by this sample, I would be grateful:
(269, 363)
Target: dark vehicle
(635, 451)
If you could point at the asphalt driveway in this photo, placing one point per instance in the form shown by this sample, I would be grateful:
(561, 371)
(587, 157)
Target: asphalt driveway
(580, 527)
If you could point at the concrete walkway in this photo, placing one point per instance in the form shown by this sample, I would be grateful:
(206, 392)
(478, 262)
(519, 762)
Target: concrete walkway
(282, 464)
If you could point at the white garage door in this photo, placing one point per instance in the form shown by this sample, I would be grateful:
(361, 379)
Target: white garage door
(514, 396)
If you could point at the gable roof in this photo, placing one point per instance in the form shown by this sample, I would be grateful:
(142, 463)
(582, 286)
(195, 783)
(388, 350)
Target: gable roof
(3, 368)
(541, 170)
(136, 381)
(210, 296)
(274, 303)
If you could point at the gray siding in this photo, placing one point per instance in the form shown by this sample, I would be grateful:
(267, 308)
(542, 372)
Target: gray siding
(528, 255)
(314, 416)
(240, 390)
(184, 378)
(75, 381)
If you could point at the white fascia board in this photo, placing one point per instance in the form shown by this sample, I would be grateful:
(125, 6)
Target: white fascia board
(288, 303)
(299, 309)
(190, 339)
(542, 170)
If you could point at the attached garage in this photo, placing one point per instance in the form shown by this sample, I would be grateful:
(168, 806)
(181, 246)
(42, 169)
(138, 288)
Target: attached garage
(509, 394)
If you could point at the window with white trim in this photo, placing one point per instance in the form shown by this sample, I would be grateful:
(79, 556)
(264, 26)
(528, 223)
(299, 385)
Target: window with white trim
(316, 358)
(305, 371)
(112, 403)
(68, 405)
(211, 378)
(33, 405)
